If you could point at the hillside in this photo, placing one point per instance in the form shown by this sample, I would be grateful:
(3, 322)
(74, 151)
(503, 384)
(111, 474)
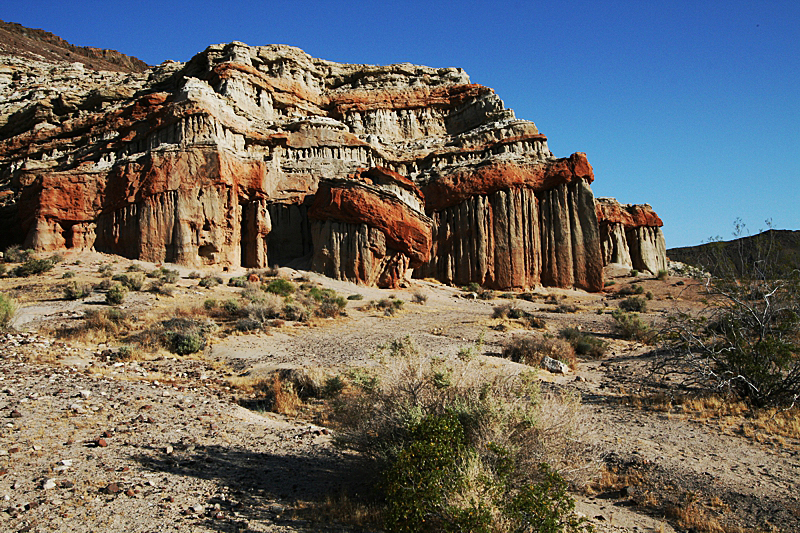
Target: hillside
(17, 40)
(781, 245)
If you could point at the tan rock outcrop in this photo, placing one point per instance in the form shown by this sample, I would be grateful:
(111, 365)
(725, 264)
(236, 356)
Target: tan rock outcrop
(255, 155)
(631, 235)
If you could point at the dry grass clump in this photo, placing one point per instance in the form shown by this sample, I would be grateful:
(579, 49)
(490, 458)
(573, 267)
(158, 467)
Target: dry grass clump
(419, 297)
(99, 326)
(8, 309)
(531, 350)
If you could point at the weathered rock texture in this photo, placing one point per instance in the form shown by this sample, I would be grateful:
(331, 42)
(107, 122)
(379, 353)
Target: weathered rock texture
(631, 235)
(259, 155)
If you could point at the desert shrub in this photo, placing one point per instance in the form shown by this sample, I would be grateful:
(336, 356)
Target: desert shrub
(249, 324)
(104, 285)
(237, 281)
(464, 453)
(116, 295)
(184, 336)
(331, 308)
(507, 310)
(105, 269)
(634, 273)
(209, 282)
(135, 267)
(281, 287)
(419, 297)
(209, 304)
(133, 282)
(566, 308)
(333, 387)
(8, 308)
(584, 343)
(230, 306)
(15, 254)
(486, 294)
(296, 311)
(69, 274)
(356, 297)
(531, 350)
(3, 270)
(662, 275)
(185, 343)
(609, 283)
(630, 326)
(161, 286)
(472, 287)
(635, 304)
(746, 342)
(649, 295)
(73, 291)
(167, 275)
(535, 322)
(123, 353)
(194, 275)
(33, 266)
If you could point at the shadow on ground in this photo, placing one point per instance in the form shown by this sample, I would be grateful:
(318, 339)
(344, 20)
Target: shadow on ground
(284, 490)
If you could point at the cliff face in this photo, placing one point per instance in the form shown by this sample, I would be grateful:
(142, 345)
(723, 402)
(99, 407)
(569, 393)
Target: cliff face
(631, 235)
(259, 155)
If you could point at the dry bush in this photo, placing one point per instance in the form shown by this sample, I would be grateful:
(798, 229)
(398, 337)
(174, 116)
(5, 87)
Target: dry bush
(531, 350)
(98, 326)
(419, 298)
(501, 407)
(8, 309)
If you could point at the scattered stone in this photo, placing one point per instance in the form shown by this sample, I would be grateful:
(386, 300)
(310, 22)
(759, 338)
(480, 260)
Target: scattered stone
(15, 414)
(554, 366)
(49, 484)
(112, 488)
(101, 442)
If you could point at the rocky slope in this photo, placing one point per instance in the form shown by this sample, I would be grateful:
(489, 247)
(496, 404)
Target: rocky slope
(220, 161)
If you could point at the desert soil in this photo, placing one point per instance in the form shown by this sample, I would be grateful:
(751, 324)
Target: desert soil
(163, 443)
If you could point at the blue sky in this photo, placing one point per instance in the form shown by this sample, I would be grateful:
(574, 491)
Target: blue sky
(692, 107)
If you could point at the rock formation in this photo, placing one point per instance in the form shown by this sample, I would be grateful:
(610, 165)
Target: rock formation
(251, 156)
(631, 235)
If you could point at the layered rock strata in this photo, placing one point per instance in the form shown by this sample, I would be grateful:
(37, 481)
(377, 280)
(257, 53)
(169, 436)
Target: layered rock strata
(631, 235)
(251, 156)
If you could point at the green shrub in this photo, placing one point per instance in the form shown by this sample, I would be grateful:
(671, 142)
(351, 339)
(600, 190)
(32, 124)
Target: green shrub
(8, 308)
(584, 343)
(116, 295)
(609, 283)
(356, 297)
(296, 311)
(132, 282)
(635, 304)
(186, 343)
(195, 275)
(15, 254)
(649, 295)
(472, 287)
(34, 266)
(662, 275)
(73, 291)
(231, 306)
(634, 273)
(630, 325)
(209, 282)
(69, 274)
(281, 287)
(237, 281)
(332, 387)
(210, 304)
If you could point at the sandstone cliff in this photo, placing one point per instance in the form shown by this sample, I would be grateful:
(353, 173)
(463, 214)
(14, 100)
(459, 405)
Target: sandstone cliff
(631, 235)
(259, 155)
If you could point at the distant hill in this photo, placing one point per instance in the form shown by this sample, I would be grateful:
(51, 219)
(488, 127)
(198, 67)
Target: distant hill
(17, 40)
(782, 246)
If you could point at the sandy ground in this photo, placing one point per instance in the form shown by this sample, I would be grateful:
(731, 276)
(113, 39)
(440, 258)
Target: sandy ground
(162, 444)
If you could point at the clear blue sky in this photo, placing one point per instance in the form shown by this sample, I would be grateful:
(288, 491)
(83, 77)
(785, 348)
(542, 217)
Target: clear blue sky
(693, 107)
